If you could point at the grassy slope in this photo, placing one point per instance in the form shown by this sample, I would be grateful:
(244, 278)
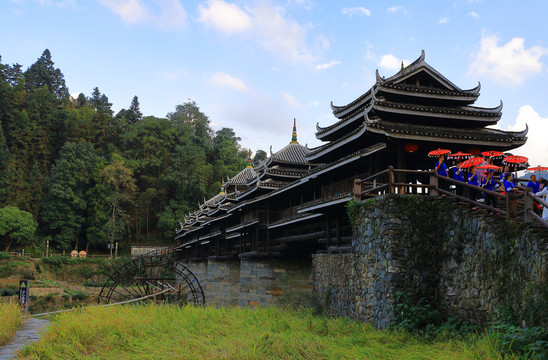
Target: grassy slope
(158, 332)
(10, 320)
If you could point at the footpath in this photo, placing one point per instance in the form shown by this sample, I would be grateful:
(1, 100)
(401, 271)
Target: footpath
(28, 333)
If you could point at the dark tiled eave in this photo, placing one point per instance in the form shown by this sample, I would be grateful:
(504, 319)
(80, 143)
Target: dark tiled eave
(428, 92)
(409, 131)
(463, 113)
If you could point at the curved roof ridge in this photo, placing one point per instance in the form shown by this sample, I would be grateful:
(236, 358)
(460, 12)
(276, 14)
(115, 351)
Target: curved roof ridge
(491, 110)
(415, 66)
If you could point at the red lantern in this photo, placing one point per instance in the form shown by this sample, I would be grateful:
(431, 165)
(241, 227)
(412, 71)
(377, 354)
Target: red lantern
(411, 147)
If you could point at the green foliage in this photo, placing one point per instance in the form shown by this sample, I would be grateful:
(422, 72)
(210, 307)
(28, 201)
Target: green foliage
(55, 153)
(17, 227)
(420, 318)
(528, 343)
(354, 211)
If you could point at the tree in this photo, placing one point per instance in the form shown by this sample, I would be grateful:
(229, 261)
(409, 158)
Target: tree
(43, 73)
(17, 227)
(119, 178)
(260, 155)
(189, 115)
(65, 209)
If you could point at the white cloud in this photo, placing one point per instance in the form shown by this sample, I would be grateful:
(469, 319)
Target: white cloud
(509, 64)
(228, 18)
(314, 103)
(264, 24)
(397, 8)
(356, 11)
(131, 11)
(474, 14)
(225, 80)
(444, 20)
(390, 62)
(536, 147)
(289, 99)
(168, 14)
(280, 35)
(327, 65)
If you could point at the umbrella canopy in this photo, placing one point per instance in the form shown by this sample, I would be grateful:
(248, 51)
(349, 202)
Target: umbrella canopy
(472, 162)
(489, 167)
(511, 160)
(537, 168)
(460, 155)
(439, 152)
(493, 154)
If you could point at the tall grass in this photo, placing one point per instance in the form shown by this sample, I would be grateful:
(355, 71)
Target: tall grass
(10, 320)
(164, 332)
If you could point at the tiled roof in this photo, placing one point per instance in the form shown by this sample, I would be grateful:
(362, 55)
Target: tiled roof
(293, 153)
(244, 177)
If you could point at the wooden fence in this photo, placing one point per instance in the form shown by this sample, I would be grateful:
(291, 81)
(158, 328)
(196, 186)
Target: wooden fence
(514, 206)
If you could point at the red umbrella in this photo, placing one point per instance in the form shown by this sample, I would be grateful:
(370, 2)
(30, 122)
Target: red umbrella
(493, 154)
(439, 152)
(512, 160)
(537, 168)
(489, 167)
(460, 155)
(472, 162)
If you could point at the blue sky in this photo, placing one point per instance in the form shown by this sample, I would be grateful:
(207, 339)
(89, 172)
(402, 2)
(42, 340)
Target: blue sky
(255, 65)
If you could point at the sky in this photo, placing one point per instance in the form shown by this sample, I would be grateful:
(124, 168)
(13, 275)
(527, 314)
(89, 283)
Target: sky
(254, 66)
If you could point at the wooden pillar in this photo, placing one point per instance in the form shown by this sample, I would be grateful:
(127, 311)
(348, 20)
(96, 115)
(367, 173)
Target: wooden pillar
(390, 179)
(357, 190)
(528, 205)
(434, 182)
(338, 225)
(327, 231)
(511, 206)
(257, 238)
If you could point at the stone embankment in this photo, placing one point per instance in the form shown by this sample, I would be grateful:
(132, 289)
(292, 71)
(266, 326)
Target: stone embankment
(465, 262)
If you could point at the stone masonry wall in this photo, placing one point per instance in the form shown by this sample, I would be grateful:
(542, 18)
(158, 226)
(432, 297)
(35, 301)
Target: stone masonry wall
(250, 282)
(464, 261)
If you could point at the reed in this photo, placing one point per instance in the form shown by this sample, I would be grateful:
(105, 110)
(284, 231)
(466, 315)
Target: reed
(10, 320)
(165, 332)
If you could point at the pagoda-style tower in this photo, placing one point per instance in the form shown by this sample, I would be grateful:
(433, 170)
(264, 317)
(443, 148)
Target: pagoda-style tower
(414, 111)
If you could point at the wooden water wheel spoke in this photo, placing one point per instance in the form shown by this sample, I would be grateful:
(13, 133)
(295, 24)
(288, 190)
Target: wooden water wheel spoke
(150, 275)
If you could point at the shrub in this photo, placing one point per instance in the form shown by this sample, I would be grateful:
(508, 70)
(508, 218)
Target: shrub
(529, 343)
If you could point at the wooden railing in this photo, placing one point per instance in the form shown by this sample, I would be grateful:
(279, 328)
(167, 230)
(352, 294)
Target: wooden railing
(517, 205)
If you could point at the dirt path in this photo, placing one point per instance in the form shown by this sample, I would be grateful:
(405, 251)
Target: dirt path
(28, 333)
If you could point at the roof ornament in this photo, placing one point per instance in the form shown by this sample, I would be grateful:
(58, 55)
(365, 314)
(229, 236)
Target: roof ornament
(379, 79)
(249, 161)
(401, 66)
(294, 135)
(222, 188)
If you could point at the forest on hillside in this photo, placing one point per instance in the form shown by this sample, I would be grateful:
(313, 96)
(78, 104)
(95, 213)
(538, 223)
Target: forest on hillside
(74, 173)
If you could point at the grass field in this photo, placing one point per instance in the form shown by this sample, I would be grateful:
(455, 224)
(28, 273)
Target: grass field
(160, 332)
(10, 320)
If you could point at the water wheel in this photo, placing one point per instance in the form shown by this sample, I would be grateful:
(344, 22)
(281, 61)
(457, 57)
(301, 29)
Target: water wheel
(155, 277)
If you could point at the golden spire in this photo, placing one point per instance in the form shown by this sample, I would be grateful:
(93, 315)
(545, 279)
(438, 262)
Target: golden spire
(294, 136)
